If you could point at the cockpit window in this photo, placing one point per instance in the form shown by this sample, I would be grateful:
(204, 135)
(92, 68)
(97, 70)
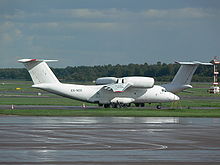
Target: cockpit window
(163, 90)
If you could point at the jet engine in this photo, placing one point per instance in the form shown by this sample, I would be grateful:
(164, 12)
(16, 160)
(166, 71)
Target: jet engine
(138, 82)
(105, 80)
(121, 100)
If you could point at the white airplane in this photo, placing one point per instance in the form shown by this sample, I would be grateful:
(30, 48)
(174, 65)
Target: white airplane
(111, 91)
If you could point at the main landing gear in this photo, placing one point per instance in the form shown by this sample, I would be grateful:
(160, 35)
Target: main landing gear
(121, 105)
(117, 105)
(139, 104)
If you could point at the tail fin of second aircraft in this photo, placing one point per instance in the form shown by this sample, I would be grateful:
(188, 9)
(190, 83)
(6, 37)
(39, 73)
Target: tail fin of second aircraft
(184, 76)
(39, 71)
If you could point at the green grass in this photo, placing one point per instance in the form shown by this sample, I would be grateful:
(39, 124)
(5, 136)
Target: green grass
(199, 90)
(69, 102)
(30, 98)
(40, 101)
(194, 103)
(200, 103)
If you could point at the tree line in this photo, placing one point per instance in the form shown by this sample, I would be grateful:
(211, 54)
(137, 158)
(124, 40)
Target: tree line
(160, 71)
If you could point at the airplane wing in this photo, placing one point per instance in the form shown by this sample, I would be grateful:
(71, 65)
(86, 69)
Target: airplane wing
(119, 87)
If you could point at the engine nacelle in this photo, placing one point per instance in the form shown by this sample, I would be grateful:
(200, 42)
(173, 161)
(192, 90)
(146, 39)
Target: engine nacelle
(122, 100)
(140, 82)
(106, 80)
(135, 81)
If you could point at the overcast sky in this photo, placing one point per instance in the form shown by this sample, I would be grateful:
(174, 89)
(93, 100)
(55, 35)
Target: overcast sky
(99, 32)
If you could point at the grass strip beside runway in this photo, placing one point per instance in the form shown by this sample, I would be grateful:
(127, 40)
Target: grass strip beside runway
(69, 102)
(196, 97)
(131, 112)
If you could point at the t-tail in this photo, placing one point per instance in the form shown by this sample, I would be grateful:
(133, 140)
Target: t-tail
(183, 77)
(40, 71)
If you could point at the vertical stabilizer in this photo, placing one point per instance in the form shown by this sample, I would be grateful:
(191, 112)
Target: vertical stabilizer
(185, 73)
(39, 71)
(184, 76)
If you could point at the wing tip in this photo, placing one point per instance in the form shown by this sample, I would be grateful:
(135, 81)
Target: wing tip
(193, 63)
(32, 60)
(26, 60)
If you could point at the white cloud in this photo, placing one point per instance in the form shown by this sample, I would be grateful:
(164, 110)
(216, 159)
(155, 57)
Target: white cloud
(65, 21)
(93, 25)
(90, 13)
(68, 31)
(18, 33)
(123, 14)
(67, 26)
(179, 13)
(84, 13)
(18, 14)
(105, 18)
(9, 32)
(6, 25)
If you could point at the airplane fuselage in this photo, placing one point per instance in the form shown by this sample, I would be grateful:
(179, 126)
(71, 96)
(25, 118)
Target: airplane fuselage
(97, 94)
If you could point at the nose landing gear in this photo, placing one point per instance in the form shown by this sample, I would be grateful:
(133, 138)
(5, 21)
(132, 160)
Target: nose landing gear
(158, 107)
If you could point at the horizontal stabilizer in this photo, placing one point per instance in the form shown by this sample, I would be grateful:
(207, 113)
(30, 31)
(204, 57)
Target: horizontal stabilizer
(193, 63)
(35, 60)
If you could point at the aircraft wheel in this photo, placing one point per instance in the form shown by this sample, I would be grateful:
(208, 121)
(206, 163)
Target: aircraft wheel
(124, 105)
(106, 105)
(118, 105)
(158, 106)
(114, 105)
(127, 105)
(137, 104)
(142, 105)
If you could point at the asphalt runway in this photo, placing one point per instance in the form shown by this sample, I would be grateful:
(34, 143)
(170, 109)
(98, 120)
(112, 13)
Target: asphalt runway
(47, 107)
(109, 140)
(61, 107)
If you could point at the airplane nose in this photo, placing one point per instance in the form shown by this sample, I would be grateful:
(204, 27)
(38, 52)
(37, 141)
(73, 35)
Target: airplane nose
(176, 98)
(173, 97)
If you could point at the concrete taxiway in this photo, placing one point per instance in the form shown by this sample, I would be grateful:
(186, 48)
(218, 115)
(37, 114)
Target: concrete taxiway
(109, 140)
